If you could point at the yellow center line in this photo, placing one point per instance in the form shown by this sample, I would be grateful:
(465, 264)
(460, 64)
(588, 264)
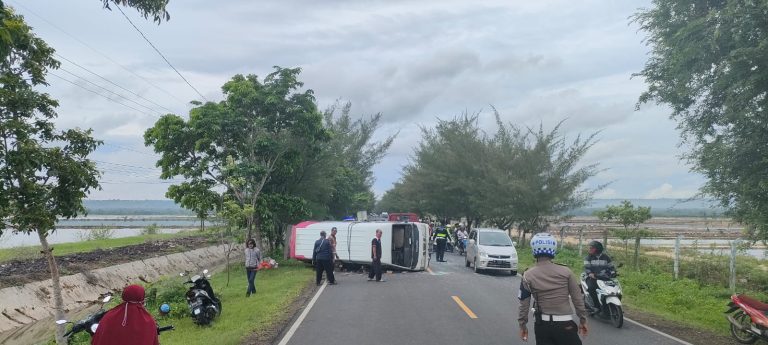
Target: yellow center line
(464, 307)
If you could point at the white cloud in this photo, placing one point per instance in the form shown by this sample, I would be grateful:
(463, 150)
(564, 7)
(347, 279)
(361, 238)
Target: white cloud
(667, 191)
(607, 193)
(411, 61)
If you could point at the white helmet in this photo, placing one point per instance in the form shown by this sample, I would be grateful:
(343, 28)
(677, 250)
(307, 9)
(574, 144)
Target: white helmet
(543, 244)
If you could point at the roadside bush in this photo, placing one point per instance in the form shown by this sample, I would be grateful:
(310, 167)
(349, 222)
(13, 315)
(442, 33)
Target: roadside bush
(101, 233)
(152, 229)
(170, 291)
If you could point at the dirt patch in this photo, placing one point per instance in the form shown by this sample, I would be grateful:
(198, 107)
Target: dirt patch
(678, 330)
(18, 272)
(273, 333)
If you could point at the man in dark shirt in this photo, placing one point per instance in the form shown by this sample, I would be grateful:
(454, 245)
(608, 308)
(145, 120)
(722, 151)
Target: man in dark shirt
(322, 256)
(597, 265)
(376, 258)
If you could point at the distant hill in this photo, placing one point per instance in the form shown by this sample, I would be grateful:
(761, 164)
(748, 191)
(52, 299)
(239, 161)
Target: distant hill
(659, 207)
(134, 207)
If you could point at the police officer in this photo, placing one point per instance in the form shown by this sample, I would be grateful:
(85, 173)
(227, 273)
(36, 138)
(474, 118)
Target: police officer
(441, 236)
(550, 285)
(597, 265)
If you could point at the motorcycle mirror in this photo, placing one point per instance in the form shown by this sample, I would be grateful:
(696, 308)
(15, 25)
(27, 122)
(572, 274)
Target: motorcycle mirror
(181, 274)
(205, 271)
(208, 276)
(621, 264)
(107, 299)
(61, 322)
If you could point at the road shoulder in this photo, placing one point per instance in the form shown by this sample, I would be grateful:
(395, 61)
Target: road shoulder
(677, 329)
(273, 334)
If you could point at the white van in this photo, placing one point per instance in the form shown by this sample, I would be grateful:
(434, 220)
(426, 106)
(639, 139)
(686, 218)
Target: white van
(491, 249)
(403, 244)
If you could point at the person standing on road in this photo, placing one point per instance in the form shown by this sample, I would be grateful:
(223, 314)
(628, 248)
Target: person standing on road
(597, 265)
(322, 256)
(376, 258)
(252, 261)
(441, 237)
(551, 285)
(332, 239)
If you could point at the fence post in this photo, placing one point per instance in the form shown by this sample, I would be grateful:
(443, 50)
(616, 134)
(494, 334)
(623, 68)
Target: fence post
(677, 256)
(732, 281)
(562, 236)
(581, 237)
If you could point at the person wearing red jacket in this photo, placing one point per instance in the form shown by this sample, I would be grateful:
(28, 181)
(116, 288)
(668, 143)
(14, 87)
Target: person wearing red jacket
(127, 323)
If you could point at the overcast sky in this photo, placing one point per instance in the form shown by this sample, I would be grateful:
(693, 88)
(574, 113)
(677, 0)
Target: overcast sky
(413, 61)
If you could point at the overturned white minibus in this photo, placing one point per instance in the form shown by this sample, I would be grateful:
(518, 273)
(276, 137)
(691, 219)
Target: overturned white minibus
(403, 245)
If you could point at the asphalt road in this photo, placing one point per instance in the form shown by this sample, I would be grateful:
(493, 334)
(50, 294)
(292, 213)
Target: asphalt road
(420, 308)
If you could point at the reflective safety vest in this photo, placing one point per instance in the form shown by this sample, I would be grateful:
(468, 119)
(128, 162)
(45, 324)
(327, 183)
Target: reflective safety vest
(441, 234)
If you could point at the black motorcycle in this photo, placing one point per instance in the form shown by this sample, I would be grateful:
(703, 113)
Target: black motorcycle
(90, 323)
(203, 304)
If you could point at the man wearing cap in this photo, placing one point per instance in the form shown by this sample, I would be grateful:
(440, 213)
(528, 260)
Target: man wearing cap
(553, 287)
(322, 256)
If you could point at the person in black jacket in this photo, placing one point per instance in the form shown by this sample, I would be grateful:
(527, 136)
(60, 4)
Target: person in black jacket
(597, 265)
(322, 256)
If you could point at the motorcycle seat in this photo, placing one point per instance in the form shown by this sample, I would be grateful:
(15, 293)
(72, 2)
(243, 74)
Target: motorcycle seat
(754, 303)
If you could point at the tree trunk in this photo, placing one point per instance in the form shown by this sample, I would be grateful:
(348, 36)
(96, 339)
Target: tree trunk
(605, 239)
(287, 242)
(249, 220)
(257, 232)
(202, 224)
(58, 302)
(637, 248)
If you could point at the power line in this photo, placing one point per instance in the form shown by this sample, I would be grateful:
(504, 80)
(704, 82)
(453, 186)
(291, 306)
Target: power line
(133, 150)
(107, 90)
(111, 82)
(96, 93)
(158, 52)
(97, 51)
(125, 165)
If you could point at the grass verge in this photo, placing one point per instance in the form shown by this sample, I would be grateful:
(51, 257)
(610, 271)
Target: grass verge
(276, 290)
(30, 252)
(653, 291)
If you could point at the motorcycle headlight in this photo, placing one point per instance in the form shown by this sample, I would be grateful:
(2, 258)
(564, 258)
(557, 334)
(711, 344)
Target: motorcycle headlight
(94, 327)
(196, 311)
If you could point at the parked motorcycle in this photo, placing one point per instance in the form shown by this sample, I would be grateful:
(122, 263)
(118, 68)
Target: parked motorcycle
(90, 323)
(608, 304)
(203, 304)
(749, 323)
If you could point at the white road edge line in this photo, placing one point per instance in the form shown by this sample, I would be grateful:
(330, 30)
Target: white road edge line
(298, 321)
(658, 332)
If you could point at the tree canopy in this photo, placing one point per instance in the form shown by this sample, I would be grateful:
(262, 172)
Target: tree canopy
(708, 65)
(240, 142)
(517, 176)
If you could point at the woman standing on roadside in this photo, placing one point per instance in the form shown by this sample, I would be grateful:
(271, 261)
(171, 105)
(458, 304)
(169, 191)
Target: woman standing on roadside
(252, 261)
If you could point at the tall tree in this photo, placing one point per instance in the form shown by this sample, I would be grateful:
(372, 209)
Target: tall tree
(708, 64)
(44, 173)
(629, 217)
(241, 141)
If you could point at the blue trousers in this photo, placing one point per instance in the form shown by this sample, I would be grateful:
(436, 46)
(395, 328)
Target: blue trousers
(251, 278)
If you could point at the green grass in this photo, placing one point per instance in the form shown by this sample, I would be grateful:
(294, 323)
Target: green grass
(275, 291)
(29, 252)
(654, 291)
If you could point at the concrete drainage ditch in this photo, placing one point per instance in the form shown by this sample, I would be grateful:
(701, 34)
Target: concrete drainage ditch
(26, 311)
